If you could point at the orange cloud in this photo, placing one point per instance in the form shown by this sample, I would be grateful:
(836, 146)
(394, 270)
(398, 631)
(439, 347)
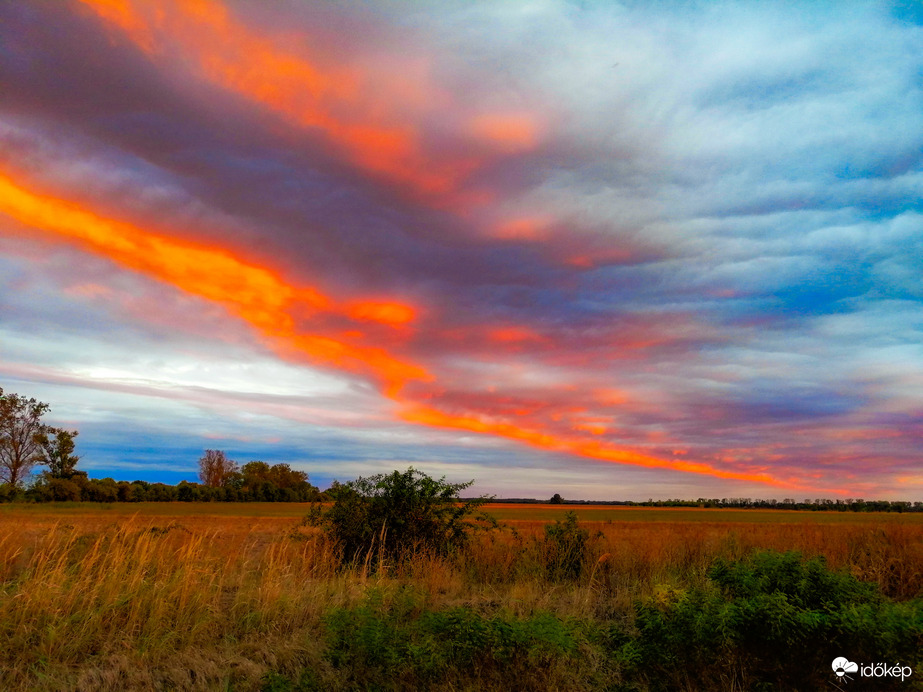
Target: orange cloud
(513, 334)
(387, 313)
(586, 448)
(361, 117)
(266, 301)
(528, 228)
(512, 132)
(255, 294)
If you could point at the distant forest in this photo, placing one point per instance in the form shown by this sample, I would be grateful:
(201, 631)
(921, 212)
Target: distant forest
(256, 482)
(815, 505)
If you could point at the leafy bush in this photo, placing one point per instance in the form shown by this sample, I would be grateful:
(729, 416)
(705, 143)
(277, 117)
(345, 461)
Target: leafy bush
(397, 645)
(773, 621)
(55, 489)
(396, 514)
(307, 681)
(565, 548)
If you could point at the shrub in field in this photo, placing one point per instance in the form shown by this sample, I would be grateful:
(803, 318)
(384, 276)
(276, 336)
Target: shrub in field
(565, 548)
(397, 644)
(772, 621)
(306, 681)
(392, 515)
(8, 493)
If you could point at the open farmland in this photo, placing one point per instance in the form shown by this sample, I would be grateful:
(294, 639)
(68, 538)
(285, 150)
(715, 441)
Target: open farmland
(247, 596)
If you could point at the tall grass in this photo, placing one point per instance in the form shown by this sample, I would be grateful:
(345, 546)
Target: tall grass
(221, 603)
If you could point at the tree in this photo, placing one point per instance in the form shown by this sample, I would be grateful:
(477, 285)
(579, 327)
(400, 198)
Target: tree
(556, 499)
(215, 468)
(253, 472)
(285, 477)
(21, 436)
(57, 448)
(187, 492)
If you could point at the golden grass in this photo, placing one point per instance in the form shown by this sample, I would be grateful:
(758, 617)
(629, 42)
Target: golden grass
(94, 599)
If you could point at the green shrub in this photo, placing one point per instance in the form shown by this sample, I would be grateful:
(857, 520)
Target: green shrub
(306, 681)
(772, 621)
(397, 644)
(394, 515)
(565, 548)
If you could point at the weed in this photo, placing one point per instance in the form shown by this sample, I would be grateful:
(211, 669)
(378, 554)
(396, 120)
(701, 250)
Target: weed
(565, 548)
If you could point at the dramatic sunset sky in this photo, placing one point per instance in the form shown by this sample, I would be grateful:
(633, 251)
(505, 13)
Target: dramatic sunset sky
(611, 250)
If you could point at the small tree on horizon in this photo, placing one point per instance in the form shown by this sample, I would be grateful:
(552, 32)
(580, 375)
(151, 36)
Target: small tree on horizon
(57, 450)
(215, 468)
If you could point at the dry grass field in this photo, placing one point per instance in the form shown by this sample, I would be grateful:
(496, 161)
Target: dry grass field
(238, 596)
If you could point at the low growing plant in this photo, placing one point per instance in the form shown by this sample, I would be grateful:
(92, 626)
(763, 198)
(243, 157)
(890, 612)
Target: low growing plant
(397, 643)
(771, 621)
(565, 548)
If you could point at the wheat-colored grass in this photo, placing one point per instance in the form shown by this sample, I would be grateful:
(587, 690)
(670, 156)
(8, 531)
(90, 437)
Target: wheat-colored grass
(104, 600)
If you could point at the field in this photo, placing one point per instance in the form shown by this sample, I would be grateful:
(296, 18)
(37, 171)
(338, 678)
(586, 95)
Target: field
(247, 597)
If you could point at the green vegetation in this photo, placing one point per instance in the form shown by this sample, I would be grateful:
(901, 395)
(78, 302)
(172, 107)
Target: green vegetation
(399, 644)
(247, 597)
(565, 548)
(399, 583)
(392, 516)
(768, 622)
(256, 482)
(25, 442)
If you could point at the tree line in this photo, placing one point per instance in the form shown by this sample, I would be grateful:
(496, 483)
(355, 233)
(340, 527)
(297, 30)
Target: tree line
(809, 505)
(256, 481)
(26, 442)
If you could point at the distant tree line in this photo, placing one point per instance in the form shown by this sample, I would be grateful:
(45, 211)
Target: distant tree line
(815, 505)
(256, 481)
(26, 442)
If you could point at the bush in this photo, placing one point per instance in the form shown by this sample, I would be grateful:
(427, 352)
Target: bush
(188, 492)
(397, 644)
(394, 515)
(63, 490)
(101, 490)
(7, 492)
(772, 621)
(565, 548)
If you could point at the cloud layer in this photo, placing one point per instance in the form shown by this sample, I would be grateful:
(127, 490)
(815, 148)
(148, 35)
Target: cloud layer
(605, 250)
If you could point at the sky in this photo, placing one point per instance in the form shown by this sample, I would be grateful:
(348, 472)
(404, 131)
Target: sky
(608, 250)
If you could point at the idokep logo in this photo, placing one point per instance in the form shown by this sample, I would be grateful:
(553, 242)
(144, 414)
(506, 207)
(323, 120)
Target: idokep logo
(842, 667)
